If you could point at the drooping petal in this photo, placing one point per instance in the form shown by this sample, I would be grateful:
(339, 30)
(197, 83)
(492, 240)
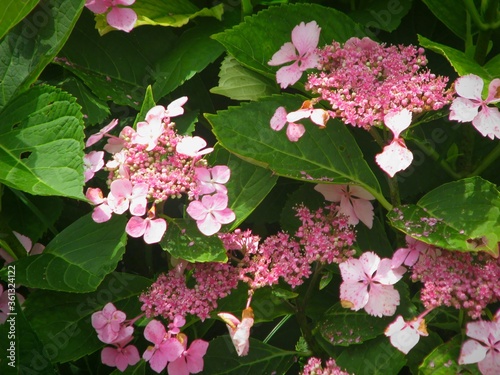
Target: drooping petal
(394, 158)
(279, 119)
(332, 193)
(295, 131)
(122, 19)
(241, 337)
(305, 37)
(487, 122)
(196, 352)
(286, 53)
(398, 121)
(155, 231)
(383, 301)
(364, 211)
(463, 110)
(469, 86)
(288, 75)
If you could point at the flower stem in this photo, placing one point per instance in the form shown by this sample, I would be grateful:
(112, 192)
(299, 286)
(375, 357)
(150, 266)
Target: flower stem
(486, 27)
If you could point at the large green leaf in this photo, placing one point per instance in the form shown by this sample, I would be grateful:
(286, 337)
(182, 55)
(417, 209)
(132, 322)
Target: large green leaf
(184, 240)
(192, 53)
(462, 215)
(262, 359)
(452, 13)
(321, 155)
(77, 259)
(253, 45)
(13, 11)
(381, 14)
(62, 320)
(32, 44)
(248, 186)
(41, 143)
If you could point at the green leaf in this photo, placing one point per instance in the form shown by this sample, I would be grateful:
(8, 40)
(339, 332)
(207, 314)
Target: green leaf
(452, 13)
(13, 11)
(321, 155)
(462, 215)
(253, 45)
(221, 358)
(374, 357)
(374, 239)
(62, 320)
(381, 14)
(493, 66)
(32, 44)
(238, 83)
(248, 185)
(172, 13)
(184, 240)
(193, 52)
(443, 360)
(77, 259)
(147, 104)
(41, 143)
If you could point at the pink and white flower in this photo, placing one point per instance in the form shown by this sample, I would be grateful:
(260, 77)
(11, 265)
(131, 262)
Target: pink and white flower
(210, 213)
(152, 229)
(301, 51)
(396, 157)
(368, 283)
(318, 116)
(294, 131)
(164, 349)
(92, 163)
(470, 106)
(408, 255)
(94, 138)
(193, 147)
(120, 18)
(354, 201)
(213, 179)
(239, 331)
(102, 212)
(405, 335)
(124, 195)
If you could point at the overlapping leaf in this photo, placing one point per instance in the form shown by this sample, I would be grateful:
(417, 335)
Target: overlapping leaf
(381, 14)
(41, 143)
(450, 12)
(13, 11)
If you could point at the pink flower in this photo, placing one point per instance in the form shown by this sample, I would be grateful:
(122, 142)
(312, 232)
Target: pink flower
(149, 132)
(213, 179)
(177, 323)
(301, 51)
(121, 356)
(94, 138)
(405, 335)
(484, 349)
(466, 107)
(102, 212)
(124, 195)
(192, 146)
(92, 163)
(165, 349)
(191, 360)
(175, 108)
(152, 229)
(120, 18)
(239, 331)
(408, 255)
(396, 157)
(108, 324)
(210, 213)
(293, 131)
(4, 303)
(368, 283)
(317, 115)
(354, 202)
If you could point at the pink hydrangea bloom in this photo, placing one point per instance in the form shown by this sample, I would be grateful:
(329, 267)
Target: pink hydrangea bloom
(396, 157)
(484, 348)
(405, 335)
(165, 349)
(92, 163)
(354, 201)
(315, 367)
(408, 255)
(4, 303)
(175, 108)
(108, 323)
(191, 360)
(213, 179)
(301, 51)
(318, 116)
(152, 229)
(176, 324)
(124, 195)
(293, 131)
(120, 18)
(148, 132)
(368, 283)
(239, 331)
(121, 356)
(102, 212)
(210, 213)
(470, 106)
(94, 138)
(192, 147)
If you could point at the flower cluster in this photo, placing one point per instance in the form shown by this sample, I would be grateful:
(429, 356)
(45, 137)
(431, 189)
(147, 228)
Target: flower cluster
(120, 18)
(314, 367)
(466, 281)
(170, 296)
(153, 164)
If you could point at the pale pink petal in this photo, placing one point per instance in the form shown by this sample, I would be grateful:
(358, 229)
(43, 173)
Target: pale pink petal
(288, 75)
(490, 365)
(241, 336)
(399, 257)
(102, 213)
(463, 110)
(369, 262)
(472, 352)
(394, 158)
(175, 108)
(364, 211)
(352, 270)
(295, 131)
(94, 138)
(8, 259)
(209, 225)
(37, 249)
(480, 330)
(221, 174)
(98, 6)
(305, 37)
(383, 301)
(386, 274)
(359, 192)
(155, 231)
(469, 86)
(123, 2)
(346, 208)
(217, 201)
(278, 120)
(197, 210)
(24, 240)
(398, 121)
(412, 258)
(493, 92)
(108, 356)
(332, 193)
(157, 113)
(136, 227)
(178, 367)
(155, 332)
(196, 352)
(487, 121)
(320, 117)
(122, 19)
(404, 338)
(298, 115)
(138, 201)
(395, 326)
(191, 146)
(230, 319)
(224, 216)
(354, 295)
(309, 61)
(286, 53)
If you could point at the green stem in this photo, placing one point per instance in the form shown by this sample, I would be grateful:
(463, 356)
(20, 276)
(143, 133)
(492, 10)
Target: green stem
(476, 18)
(433, 154)
(487, 161)
(486, 28)
(378, 196)
(275, 329)
(394, 191)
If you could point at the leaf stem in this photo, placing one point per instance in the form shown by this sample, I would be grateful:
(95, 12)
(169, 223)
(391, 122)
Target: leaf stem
(486, 162)
(433, 154)
(486, 27)
(275, 329)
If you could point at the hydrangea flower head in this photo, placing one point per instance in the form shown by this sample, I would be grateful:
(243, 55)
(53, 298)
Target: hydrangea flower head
(120, 18)
(301, 51)
(470, 106)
